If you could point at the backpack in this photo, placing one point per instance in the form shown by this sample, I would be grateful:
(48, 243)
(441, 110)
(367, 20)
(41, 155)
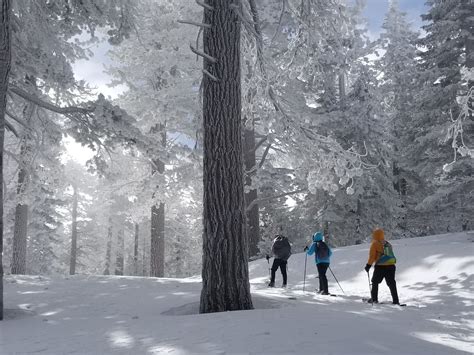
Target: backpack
(388, 257)
(281, 247)
(322, 250)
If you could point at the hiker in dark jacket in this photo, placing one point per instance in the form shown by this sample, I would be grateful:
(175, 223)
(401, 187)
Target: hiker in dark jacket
(322, 254)
(281, 250)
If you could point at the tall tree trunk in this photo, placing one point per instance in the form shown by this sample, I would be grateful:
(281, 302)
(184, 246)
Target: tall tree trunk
(20, 232)
(119, 261)
(253, 218)
(21, 227)
(157, 245)
(225, 278)
(108, 253)
(72, 265)
(342, 89)
(5, 62)
(135, 251)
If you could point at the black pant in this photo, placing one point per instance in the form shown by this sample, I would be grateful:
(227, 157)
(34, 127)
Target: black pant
(279, 263)
(323, 280)
(386, 272)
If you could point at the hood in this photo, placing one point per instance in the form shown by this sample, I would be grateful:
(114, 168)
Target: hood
(318, 237)
(378, 235)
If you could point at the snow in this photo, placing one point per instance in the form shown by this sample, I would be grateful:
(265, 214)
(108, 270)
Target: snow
(131, 315)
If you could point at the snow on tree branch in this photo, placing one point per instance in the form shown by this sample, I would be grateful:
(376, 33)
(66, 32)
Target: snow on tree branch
(456, 131)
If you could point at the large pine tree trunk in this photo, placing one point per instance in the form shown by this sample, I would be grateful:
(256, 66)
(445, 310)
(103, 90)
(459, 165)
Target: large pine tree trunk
(72, 264)
(5, 62)
(253, 218)
(225, 276)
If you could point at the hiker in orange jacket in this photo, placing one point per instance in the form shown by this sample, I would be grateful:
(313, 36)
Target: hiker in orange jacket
(382, 255)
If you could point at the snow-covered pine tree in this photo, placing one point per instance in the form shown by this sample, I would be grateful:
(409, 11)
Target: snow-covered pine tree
(445, 51)
(399, 85)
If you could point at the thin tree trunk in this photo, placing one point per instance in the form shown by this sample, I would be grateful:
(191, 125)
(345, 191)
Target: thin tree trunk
(157, 246)
(108, 253)
(72, 265)
(135, 251)
(342, 89)
(5, 63)
(225, 279)
(119, 262)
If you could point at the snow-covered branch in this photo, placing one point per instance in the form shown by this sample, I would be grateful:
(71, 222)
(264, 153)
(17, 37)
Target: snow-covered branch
(455, 130)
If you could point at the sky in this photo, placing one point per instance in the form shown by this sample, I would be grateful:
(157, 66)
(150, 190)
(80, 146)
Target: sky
(93, 71)
(376, 9)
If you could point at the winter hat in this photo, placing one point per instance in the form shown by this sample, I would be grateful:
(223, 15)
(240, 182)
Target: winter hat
(378, 234)
(318, 237)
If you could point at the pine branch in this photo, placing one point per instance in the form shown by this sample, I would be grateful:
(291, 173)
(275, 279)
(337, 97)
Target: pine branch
(48, 106)
(212, 77)
(202, 54)
(199, 24)
(204, 5)
(254, 202)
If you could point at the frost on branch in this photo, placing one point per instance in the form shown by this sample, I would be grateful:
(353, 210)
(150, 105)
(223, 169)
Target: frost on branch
(456, 129)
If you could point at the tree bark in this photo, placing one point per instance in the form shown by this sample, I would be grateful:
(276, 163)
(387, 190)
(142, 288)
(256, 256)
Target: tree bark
(135, 251)
(108, 253)
(5, 63)
(20, 232)
(119, 262)
(72, 265)
(21, 227)
(157, 246)
(225, 276)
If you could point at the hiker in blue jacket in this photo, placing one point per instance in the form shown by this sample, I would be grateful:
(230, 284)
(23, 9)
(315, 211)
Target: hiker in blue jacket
(322, 254)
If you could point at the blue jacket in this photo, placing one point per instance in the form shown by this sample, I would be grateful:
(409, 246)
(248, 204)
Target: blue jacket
(313, 249)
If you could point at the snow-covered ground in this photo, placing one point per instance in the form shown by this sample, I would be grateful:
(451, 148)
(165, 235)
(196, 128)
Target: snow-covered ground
(131, 315)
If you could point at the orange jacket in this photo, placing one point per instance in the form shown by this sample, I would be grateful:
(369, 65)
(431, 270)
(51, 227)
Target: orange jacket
(376, 248)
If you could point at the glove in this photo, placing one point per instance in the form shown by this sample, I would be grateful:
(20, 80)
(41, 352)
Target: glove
(305, 248)
(367, 267)
(267, 257)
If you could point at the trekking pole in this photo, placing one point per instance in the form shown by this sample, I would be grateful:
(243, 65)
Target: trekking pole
(370, 287)
(336, 280)
(304, 276)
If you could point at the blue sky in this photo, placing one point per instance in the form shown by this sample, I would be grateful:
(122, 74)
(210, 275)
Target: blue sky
(376, 9)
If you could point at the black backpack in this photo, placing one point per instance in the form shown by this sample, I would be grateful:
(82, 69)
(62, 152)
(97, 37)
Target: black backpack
(281, 247)
(322, 250)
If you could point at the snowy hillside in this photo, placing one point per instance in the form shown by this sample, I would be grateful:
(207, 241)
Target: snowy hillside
(99, 314)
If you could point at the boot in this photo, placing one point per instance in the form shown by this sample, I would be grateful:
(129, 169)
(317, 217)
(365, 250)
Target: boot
(271, 284)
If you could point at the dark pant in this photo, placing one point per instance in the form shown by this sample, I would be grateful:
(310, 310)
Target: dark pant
(388, 273)
(323, 280)
(279, 263)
